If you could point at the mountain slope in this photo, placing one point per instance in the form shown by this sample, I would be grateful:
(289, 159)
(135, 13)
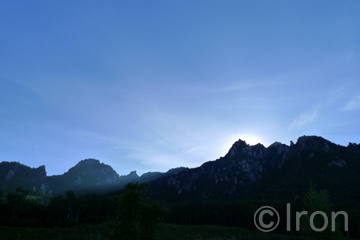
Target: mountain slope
(15, 174)
(273, 172)
(278, 171)
(316, 160)
(87, 175)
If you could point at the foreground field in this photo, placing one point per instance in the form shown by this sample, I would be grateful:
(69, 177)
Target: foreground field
(165, 232)
(180, 232)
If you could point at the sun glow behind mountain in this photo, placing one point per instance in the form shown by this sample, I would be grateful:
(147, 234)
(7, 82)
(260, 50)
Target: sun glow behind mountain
(154, 85)
(250, 139)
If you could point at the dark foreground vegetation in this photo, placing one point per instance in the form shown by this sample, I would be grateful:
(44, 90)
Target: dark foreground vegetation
(164, 232)
(132, 216)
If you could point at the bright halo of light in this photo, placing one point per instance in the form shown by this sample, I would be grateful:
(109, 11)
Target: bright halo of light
(250, 139)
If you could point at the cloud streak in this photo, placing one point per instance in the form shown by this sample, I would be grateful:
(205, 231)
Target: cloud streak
(353, 104)
(303, 120)
(244, 85)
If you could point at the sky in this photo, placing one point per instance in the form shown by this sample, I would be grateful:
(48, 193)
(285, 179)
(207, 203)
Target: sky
(154, 85)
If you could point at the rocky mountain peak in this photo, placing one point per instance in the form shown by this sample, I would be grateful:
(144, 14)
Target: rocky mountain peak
(312, 142)
(131, 177)
(87, 162)
(354, 146)
(240, 147)
(90, 172)
(276, 144)
(279, 147)
(87, 166)
(237, 147)
(13, 174)
(308, 140)
(133, 174)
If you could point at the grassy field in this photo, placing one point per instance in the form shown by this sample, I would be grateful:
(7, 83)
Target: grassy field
(165, 232)
(85, 233)
(180, 232)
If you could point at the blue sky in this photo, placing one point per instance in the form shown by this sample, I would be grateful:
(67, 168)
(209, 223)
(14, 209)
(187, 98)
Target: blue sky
(153, 85)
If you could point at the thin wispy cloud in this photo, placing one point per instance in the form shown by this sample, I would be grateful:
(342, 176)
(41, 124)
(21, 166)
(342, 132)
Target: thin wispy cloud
(243, 85)
(353, 104)
(303, 120)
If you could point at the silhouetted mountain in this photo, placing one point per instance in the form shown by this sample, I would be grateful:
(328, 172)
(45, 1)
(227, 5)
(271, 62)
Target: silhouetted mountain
(87, 175)
(231, 176)
(278, 171)
(15, 174)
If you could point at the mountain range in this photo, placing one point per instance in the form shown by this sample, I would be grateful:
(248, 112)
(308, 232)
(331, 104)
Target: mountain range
(277, 171)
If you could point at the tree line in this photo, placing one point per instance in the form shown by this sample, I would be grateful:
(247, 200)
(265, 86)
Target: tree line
(131, 215)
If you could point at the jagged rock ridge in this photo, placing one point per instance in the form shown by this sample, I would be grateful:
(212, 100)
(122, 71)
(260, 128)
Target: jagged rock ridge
(243, 170)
